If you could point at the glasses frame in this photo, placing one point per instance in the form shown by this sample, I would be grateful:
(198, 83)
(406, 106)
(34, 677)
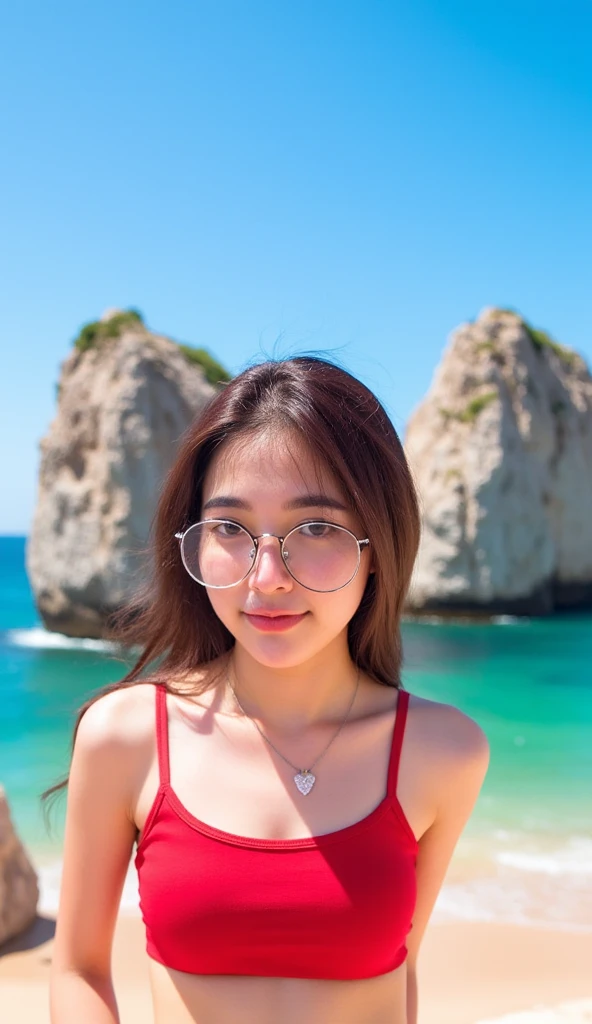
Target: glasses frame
(310, 522)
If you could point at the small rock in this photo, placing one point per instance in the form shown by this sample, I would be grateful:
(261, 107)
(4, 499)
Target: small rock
(19, 889)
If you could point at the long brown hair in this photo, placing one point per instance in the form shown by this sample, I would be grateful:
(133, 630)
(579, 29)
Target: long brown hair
(345, 427)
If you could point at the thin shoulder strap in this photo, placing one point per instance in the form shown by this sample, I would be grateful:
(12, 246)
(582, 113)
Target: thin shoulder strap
(398, 733)
(162, 734)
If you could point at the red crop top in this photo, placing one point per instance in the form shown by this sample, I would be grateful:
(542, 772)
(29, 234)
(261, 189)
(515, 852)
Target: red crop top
(337, 905)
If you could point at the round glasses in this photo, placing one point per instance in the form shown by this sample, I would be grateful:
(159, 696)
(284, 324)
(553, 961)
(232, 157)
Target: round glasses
(320, 556)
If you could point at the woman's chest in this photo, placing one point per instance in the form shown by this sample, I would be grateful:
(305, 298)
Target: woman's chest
(236, 782)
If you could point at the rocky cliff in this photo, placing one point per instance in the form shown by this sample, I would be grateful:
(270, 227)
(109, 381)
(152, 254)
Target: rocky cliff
(501, 450)
(125, 396)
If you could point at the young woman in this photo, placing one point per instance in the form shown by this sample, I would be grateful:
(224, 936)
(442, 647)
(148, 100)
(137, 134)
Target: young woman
(294, 808)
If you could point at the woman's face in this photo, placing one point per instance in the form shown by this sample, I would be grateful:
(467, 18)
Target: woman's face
(270, 484)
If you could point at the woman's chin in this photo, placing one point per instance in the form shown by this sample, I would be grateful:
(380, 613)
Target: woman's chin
(276, 650)
(276, 655)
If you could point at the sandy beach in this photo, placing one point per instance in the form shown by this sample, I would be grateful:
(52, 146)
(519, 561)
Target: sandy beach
(469, 973)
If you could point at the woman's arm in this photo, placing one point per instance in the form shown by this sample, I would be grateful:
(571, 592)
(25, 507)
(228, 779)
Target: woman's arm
(98, 843)
(458, 775)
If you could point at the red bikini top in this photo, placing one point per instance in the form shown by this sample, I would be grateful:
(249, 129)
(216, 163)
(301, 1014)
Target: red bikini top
(335, 906)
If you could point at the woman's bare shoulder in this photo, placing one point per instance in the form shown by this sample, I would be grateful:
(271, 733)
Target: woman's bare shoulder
(127, 715)
(450, 752)
(124, 716)
(446, 731)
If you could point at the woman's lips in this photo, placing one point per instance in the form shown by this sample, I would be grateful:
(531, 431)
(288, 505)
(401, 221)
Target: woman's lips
(274, 623)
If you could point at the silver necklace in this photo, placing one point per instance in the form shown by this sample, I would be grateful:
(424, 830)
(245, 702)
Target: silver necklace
(304, 777)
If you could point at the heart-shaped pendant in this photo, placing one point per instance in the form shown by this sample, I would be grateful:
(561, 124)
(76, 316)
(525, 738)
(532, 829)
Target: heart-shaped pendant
(305, 781)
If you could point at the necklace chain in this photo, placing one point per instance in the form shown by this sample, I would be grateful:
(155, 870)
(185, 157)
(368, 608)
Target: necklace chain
(301, 771)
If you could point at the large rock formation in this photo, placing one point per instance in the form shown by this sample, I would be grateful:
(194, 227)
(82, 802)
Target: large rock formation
(125, 397)
(19, 891)
(501, 450)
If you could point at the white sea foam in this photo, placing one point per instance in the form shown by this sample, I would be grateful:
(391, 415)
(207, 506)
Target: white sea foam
(529, 894)
(579, 1012)
(503, 901)
(573, 859)
(444, 620)
(43, 639)
(516, 878)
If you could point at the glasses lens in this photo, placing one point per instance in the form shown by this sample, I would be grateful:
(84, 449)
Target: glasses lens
(321, 557)
(217, 553)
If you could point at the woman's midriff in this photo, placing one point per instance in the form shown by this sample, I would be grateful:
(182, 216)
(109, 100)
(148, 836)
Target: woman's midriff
(226, 999)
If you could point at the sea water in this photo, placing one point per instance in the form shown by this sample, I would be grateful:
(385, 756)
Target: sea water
(525, 855)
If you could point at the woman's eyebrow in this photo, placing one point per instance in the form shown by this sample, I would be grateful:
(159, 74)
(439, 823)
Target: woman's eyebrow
(316, 501)
(303, 501)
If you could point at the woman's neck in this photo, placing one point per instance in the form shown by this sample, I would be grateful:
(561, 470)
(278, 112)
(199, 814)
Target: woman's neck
(291, 699)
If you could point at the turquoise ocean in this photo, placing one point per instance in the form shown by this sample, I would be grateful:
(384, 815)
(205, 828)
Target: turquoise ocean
(526, 853)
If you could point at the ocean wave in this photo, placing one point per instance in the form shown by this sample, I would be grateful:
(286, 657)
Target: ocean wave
(579, 1012)
(510, 896)
(575, 859)
(439, 619)
(43, 639)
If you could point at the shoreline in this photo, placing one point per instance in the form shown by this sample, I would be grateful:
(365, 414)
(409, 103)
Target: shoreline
(468, 973)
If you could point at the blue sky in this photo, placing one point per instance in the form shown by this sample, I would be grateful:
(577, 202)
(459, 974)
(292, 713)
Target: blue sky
(356, 178)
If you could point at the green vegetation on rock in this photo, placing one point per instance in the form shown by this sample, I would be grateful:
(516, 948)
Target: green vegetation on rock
(540, 339)
(213, 370)
(472, 410)
(98, 331)
(507, 311)
(476, 405)
(92, 334)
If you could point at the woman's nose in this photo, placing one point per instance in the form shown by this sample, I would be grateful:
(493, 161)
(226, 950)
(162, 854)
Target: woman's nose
(269, 571)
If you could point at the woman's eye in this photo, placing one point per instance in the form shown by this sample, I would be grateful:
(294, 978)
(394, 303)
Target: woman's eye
(317, 530)
(228, 529)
